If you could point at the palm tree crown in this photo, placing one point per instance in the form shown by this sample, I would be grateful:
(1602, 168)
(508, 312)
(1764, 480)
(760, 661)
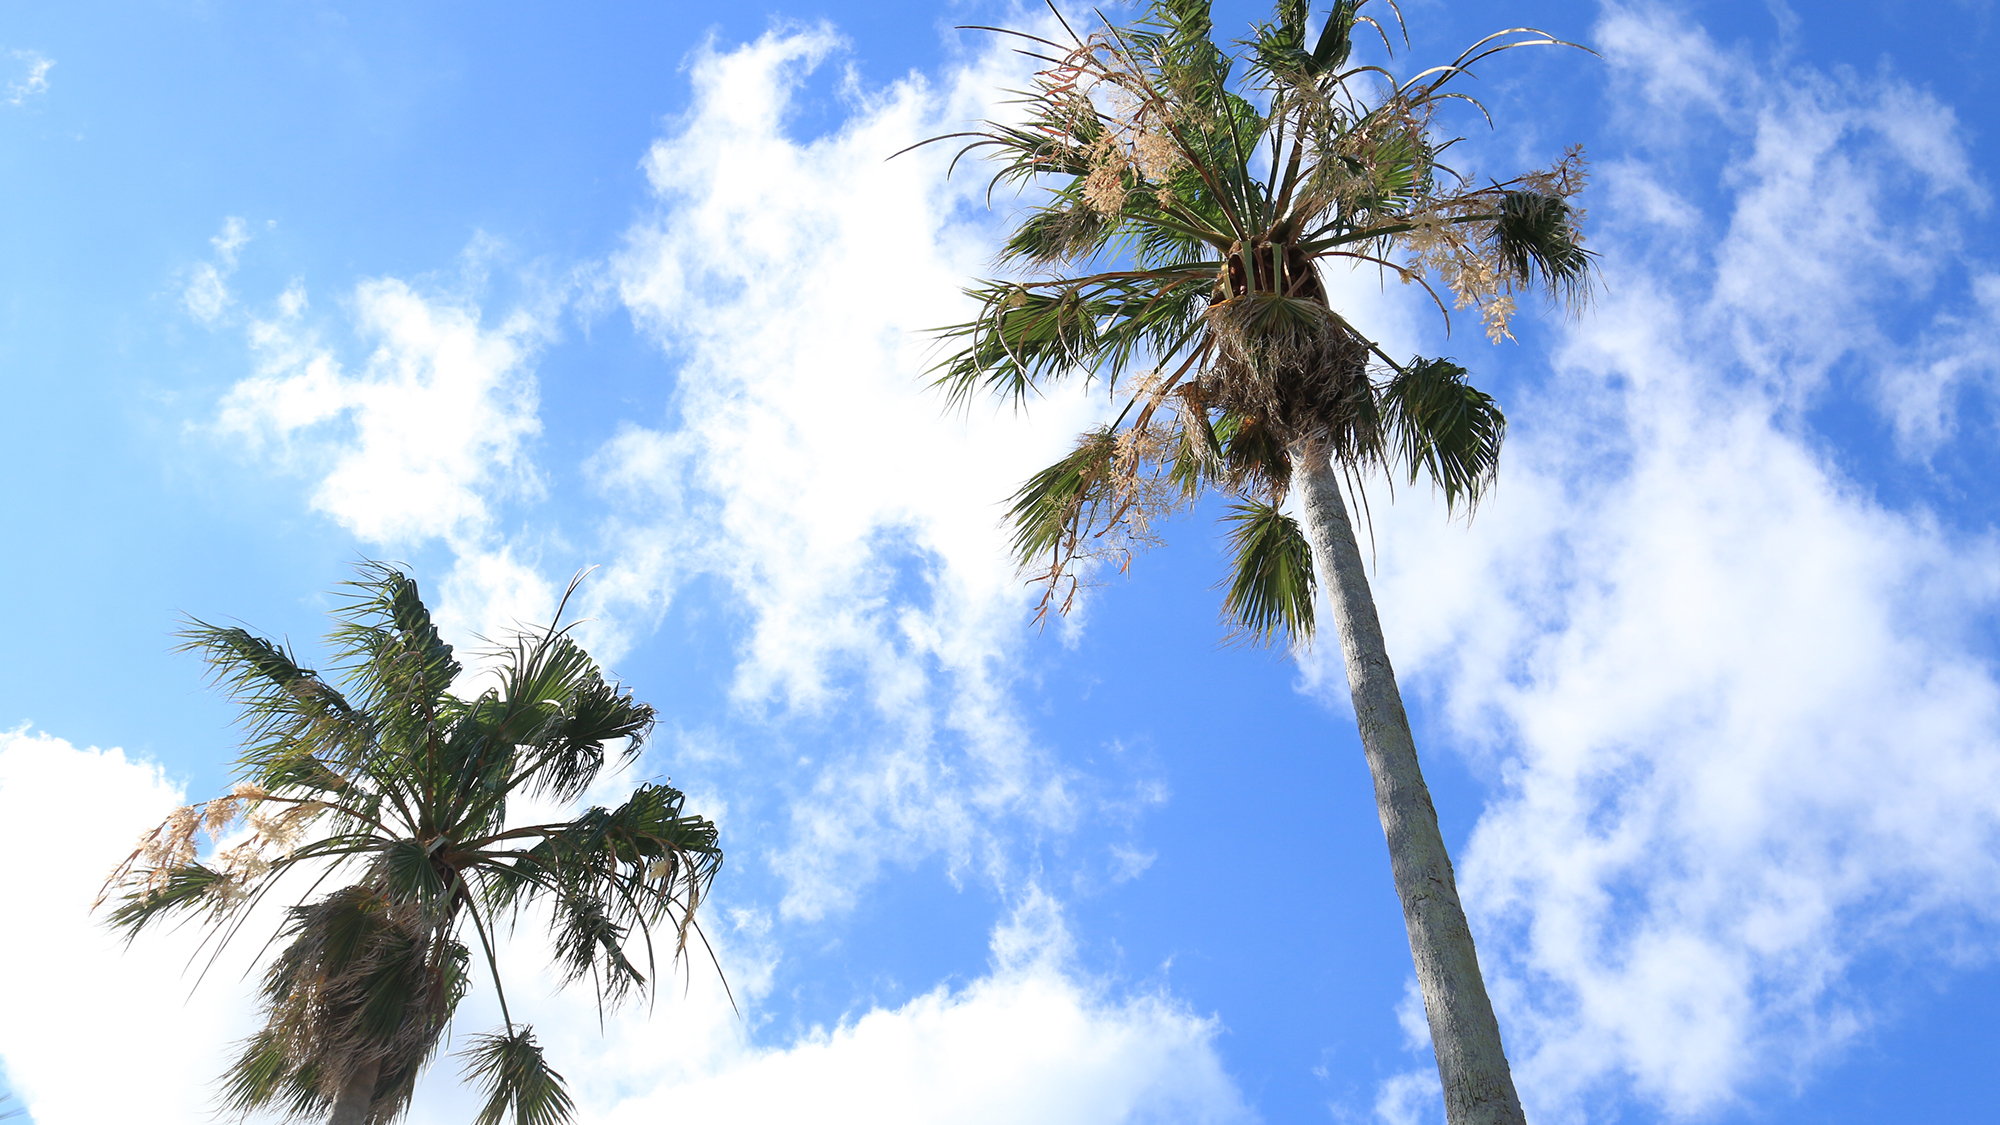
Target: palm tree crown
(1186, 222)
(404, 787)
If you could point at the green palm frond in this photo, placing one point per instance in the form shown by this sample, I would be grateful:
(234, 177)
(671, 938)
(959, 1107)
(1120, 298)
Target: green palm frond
(521, 1087)
(302, 730)
(1027, 335)
(1441, 427)
(1271, 584)
(391, 650)
(1052, 508)
(1538, 241)
(185, 889)
(561, 705)
(265, 1076)
(589, 943)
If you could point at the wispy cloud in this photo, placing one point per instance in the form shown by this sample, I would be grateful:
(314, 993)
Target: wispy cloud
(206, 295)
(28, 77)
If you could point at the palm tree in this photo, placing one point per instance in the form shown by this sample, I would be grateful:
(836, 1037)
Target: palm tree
(404, 787)
(1185, 223)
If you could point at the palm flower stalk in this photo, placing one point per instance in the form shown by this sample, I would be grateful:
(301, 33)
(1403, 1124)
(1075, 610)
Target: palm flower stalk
(396, 790)
(1176, 259)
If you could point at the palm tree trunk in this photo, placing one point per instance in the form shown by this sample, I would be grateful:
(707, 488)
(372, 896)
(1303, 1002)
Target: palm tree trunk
(350, 1106)
(1478, 1087)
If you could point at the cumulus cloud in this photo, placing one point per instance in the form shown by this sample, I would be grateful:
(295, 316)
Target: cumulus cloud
(423, 440)
(1743, 734)
(793, 281)
(437, 418)
(1029, 1040)
(75, 995)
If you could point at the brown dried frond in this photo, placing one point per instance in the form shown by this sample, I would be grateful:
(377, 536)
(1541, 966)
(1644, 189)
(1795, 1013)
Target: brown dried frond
(1287, 361)
(351, 953)
(1112, 512)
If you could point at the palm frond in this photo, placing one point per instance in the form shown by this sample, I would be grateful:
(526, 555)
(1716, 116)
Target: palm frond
(391, 649)
(1440, 426)
(589, 943)
(521, 1088)
(302, 731)
(180, 890)
(264, 1076)
(1052, 508)
(1537, 239)
(1271, 583)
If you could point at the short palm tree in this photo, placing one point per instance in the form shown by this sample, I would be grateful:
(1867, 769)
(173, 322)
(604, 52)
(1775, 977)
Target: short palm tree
(1177, 257)
(398, 791)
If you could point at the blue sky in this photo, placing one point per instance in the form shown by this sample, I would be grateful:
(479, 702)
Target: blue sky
(1707, 694)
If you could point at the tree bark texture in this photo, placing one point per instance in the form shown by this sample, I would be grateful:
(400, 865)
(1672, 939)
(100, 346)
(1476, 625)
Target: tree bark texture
(1478, 1087)
(350, 1106)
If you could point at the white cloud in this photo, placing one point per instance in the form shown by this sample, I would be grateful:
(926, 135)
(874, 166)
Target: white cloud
(1409, 1098)
(74, 995)
(1743, 733)
(422, 441)
(794, 282)
(30, 78)
(439, 415)
(207, 294)
(1030, 1040)
(1922, 393)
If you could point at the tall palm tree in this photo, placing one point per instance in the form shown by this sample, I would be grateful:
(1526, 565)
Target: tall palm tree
(1187, 215)
(401, 786)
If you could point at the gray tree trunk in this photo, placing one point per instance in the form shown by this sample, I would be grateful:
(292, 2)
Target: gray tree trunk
(350, 1106)
(1478, 1087)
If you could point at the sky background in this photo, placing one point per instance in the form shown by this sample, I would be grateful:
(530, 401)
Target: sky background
(1707, 693)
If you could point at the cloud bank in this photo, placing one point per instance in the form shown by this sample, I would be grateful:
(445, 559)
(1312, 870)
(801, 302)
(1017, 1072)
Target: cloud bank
(75, 997)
